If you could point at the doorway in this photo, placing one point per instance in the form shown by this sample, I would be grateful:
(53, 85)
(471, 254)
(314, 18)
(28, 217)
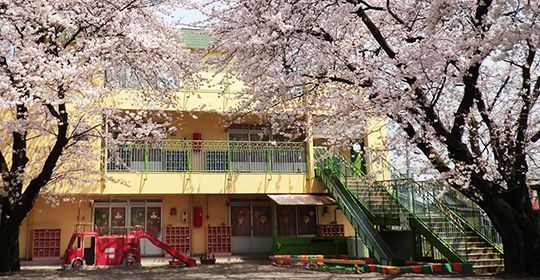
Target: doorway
(119, 216)
(251, 227)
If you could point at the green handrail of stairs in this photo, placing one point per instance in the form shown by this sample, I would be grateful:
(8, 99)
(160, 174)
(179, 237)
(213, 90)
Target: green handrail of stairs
(354, 212)
(478, 222)
(423, 219)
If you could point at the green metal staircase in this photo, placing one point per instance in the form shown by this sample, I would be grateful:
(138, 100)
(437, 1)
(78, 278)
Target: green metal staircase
(355, 212)
(384, 202)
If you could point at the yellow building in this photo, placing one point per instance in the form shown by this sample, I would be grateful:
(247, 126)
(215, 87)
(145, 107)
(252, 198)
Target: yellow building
(208, 188)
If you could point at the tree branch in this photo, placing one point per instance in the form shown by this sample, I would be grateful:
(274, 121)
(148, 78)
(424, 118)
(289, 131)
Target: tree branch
(470, 80)
(375, 32)
(398, 19)
(34, 187)
(3, 164)
(427, 149)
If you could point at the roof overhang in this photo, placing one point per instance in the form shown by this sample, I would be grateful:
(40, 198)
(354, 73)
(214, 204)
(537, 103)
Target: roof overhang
(302, 199)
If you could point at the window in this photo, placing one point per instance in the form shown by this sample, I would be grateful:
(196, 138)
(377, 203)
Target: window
(119, 158)
(216, 161)
(77, 243)
(175, 161)
(297, 220)
(241, 220)
(262, 221)
(101, 217)
(240, 132)
(307, 219)
(286, 217)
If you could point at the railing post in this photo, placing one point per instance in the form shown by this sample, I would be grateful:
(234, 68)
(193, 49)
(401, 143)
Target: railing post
(268, 159)
(189, 158)
(310, 158)
(145, 162)
(229, 159)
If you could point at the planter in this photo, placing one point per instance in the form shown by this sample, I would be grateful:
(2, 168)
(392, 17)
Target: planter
(208, 261)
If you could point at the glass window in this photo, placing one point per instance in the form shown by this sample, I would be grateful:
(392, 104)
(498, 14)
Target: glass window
(175, 161)
(119, 157)
(262, 221)
(296, 220)
(286, 220)
(153, 220)
(248, 133)
(101, 217)
(137, 216)
(216, 161)
(307, 219)
(76, 243)
(241, 220)
(118, 216)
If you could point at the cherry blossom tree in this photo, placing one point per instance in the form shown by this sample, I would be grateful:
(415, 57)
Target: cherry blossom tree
(460, 78)
(53, 102)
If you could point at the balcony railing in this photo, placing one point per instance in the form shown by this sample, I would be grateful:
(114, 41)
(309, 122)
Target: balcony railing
(207, 156)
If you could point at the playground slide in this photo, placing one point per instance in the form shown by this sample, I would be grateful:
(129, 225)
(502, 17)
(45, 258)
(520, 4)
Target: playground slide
(172, 251)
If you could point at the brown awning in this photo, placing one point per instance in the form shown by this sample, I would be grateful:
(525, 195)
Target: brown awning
(302, 199)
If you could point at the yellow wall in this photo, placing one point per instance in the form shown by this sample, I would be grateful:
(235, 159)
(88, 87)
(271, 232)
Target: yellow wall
(335, 215)
(215, 94)
(377, 153)
(209, 183)
(215, 213)
(46, 216)
(215, 209)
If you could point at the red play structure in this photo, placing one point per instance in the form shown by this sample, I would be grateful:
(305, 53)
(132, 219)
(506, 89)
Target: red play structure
(90, 249)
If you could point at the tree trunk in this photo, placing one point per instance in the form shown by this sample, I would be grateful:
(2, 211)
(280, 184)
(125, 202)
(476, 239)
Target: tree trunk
(9, 249)
(520, 233)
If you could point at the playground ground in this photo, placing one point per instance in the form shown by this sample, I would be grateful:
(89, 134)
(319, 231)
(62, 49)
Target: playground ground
(229, 268)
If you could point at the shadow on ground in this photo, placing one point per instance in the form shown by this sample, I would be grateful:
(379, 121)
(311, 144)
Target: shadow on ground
(246, 270)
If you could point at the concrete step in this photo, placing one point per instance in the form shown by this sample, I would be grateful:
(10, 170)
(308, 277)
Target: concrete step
(476, 250)
(488, 269)
(488, 261)
(479, 256)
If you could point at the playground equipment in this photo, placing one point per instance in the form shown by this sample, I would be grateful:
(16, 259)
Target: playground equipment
(87, 248)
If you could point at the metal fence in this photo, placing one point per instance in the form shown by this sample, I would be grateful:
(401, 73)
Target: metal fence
(207, 156)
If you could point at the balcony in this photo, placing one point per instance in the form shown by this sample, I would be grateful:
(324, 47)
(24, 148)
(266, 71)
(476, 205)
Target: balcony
(207, 156)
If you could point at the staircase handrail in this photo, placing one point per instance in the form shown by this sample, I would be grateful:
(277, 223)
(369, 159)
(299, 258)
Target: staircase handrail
(454, 214)
(445, 212)
(490, 238)
(374, 243)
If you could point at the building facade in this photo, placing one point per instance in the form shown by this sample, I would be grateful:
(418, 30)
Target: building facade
(210, 187)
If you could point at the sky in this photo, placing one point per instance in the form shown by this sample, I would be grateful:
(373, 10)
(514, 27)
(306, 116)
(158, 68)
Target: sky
(187, 16)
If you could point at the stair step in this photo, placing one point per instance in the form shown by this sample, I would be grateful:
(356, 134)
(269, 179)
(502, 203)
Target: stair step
(497, 260)
(488, 269)
(486, 250)
(471, 244)
(472, 257)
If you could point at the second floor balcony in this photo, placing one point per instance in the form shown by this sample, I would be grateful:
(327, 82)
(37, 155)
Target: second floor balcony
(206, 156)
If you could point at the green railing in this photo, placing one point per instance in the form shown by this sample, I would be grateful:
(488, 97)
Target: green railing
(385, 198)
(469, 212)
(333, 179)
(462, 209)
(207, 156)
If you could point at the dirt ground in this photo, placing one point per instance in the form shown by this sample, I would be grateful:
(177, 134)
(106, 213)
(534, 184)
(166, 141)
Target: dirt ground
(250, 269)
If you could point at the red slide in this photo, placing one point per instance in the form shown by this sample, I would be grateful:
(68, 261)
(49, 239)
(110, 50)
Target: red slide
(172, 251)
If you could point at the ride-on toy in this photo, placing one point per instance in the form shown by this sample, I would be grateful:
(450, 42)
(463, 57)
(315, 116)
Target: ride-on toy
(90, 249)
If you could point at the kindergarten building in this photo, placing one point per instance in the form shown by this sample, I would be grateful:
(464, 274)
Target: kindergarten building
(208, 188)
(226, 189)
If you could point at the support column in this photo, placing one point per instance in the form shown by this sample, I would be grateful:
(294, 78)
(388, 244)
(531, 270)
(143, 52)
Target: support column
(310, 157)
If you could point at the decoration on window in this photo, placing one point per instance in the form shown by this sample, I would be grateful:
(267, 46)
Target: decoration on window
(309, 217)
(118, 215)
(241, 218)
